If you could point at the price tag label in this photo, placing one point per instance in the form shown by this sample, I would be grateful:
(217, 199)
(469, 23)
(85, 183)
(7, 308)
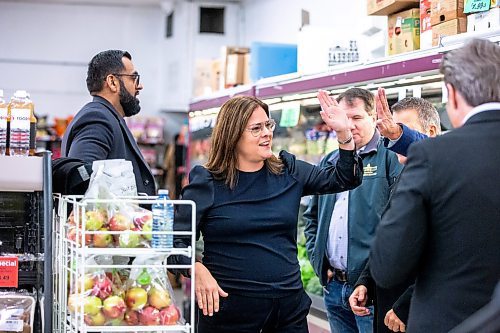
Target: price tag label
(473, 6)
(9, 270)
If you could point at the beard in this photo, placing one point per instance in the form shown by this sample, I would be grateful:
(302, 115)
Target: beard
(129, 103)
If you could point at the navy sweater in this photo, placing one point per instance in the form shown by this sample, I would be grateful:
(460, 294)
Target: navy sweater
(250, 232)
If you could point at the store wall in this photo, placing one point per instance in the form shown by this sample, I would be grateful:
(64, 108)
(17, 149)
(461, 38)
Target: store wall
(180, 52)
(279, 21)
(46, 48)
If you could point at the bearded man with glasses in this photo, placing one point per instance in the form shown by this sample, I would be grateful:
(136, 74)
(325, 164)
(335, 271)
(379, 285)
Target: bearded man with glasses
(99, 131)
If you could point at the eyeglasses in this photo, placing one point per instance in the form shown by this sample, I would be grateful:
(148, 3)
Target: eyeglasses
(256, 129)
(136, 77)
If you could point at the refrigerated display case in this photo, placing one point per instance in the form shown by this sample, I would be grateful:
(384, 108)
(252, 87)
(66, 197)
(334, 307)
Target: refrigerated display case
(26, 241)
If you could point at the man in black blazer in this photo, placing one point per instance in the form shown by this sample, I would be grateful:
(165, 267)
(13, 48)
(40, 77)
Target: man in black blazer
(442, 225)
(99, 131)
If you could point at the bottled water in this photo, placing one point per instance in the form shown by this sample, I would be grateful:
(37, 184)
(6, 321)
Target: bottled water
(163, 220)
(3, 124)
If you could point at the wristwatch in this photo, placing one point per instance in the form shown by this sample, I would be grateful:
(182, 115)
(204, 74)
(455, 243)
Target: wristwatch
(346, 141)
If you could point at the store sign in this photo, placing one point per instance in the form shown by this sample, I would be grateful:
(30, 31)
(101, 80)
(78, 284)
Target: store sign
(290, 114)
(474, 6)
(9, 270)
(201, 122)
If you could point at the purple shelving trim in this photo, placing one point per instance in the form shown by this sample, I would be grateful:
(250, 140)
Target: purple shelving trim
(218, 101)
(411, 66)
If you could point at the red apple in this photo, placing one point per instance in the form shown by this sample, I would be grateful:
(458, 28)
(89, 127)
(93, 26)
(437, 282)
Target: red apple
(114, 307)
(94, 220)
(72, 235)
(91, 305)
(103, 287)
(95, 320)
(129, 239)
(136, 298)
(132, 317)
(74, 302)
(102, 240)
(159, 298)
(170, 315)
(147, 226)
(88, 283)
(120, 222)
(149, 316)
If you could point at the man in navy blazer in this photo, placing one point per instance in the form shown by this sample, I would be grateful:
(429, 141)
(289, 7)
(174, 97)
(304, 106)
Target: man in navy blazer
(99, 131)
(442, 224)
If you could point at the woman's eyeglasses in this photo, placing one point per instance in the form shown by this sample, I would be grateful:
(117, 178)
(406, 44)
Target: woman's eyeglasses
(256, 129)
(136, 77)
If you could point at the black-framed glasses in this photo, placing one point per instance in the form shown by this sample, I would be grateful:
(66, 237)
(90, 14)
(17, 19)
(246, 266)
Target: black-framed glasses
(136, 77)
(256, 129)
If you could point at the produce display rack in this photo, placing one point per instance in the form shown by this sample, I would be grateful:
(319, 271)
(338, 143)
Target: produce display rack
(72, 261)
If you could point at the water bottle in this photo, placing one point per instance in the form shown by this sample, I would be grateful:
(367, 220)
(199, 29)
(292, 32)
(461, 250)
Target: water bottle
(163, 220)
(20, 113)
(3, 124)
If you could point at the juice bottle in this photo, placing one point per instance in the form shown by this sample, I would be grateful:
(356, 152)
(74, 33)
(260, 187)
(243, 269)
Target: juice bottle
(3, 124)
(20, 113)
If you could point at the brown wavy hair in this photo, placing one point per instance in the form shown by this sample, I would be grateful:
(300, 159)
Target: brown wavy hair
(231, 123)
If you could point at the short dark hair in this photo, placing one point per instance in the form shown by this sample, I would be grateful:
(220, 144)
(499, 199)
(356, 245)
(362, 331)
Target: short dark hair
(103, 64)
(427, 113)
(365, 95)
(474, 71)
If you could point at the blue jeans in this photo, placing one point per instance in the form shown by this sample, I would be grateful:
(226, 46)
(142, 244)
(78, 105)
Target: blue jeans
(340, 316)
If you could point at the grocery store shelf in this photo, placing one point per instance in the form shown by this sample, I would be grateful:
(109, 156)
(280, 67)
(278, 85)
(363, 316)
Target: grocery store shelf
(21, 173)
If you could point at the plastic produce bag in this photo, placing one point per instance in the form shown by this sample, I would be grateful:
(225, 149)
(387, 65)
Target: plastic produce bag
(113, 176)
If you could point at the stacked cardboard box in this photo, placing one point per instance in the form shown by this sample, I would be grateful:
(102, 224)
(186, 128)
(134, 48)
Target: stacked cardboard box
(403, 23)
(425, 24)
(388, 7)
(236, 66)
(404, 31)
(483, 20)
(447, 18)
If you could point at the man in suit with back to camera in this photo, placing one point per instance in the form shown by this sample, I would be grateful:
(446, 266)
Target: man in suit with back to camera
(442, 225)
(340, 227)
(99, 131)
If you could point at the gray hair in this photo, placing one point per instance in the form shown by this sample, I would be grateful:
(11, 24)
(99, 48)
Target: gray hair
(427, 113)
(474, 71)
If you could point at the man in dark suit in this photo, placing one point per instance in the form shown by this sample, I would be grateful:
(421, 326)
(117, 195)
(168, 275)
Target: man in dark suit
(99, 131)
(442, 225)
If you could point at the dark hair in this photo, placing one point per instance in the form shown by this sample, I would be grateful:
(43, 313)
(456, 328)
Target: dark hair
(365, 95)
(427, 113)
(474, 71)
(231, 122)
(103, 64)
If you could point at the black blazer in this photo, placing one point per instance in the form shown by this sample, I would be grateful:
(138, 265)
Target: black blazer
(98, 132)
(442, 226)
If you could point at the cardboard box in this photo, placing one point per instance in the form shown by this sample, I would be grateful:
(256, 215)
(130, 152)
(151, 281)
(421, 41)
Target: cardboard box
(446, 10)
(388, 7)
(233, 65)
(202, 77)
(216, 80)
(484, 21)
(425, 24)
(448, 28)
(404, 31)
